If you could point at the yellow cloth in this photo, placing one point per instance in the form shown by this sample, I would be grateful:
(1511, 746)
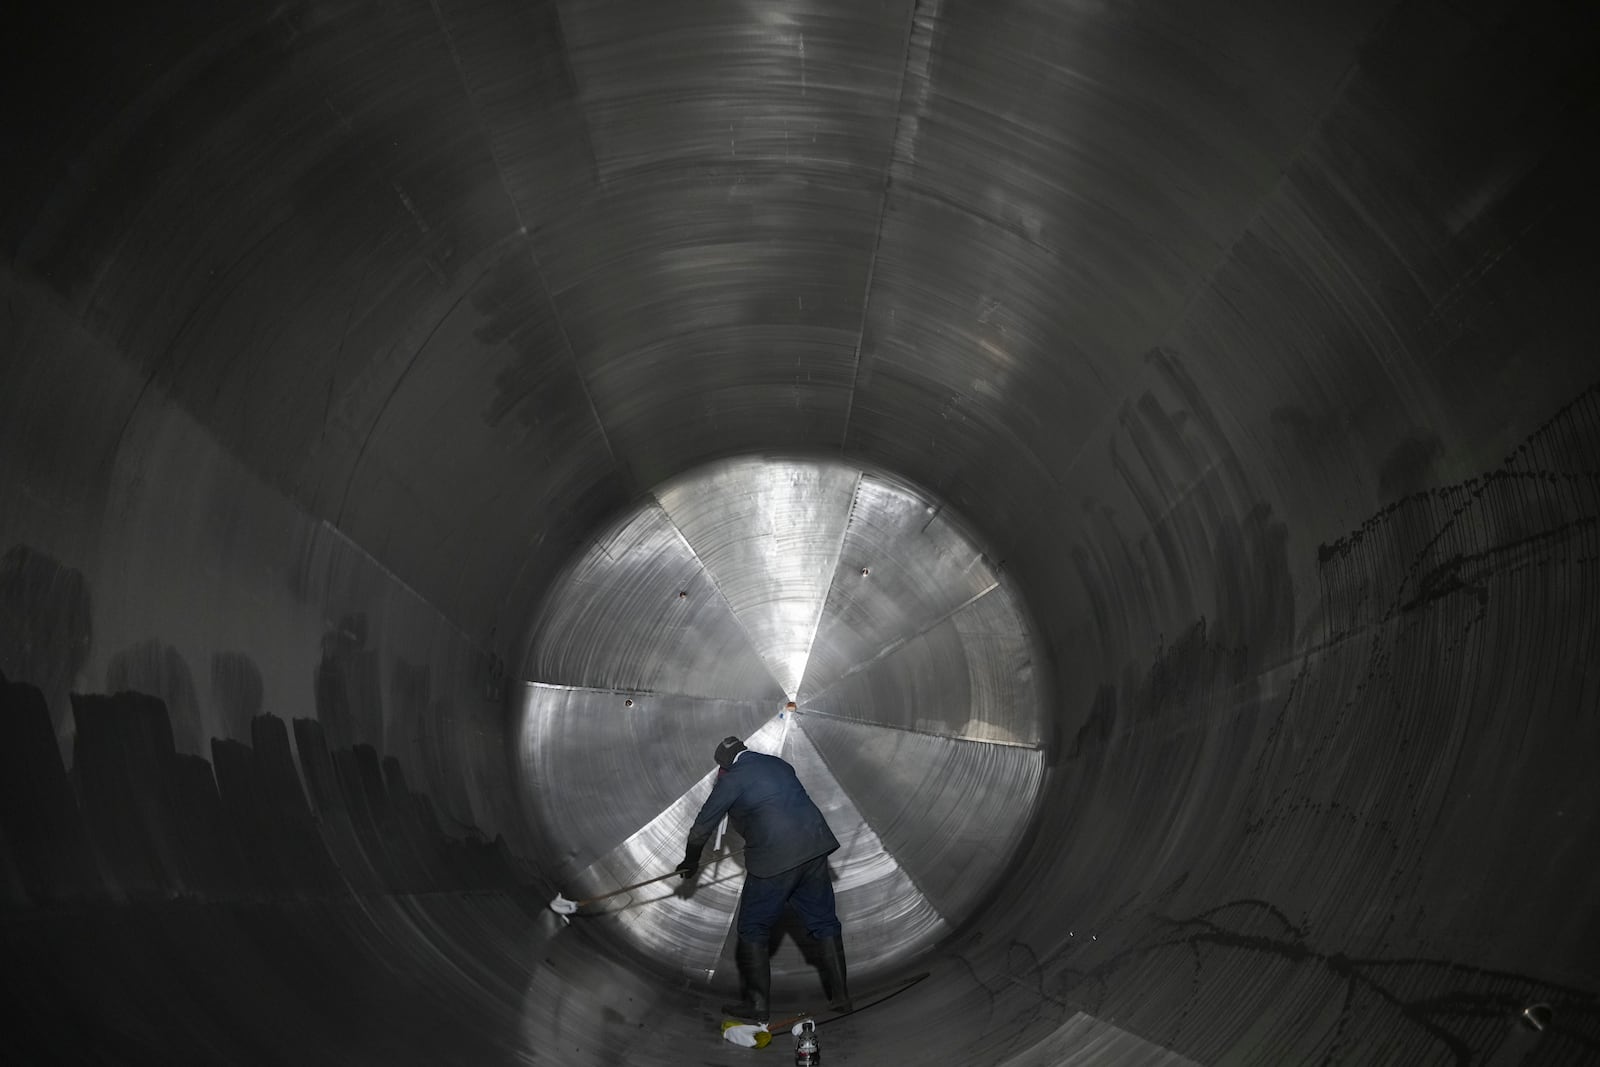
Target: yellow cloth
(746, 1035)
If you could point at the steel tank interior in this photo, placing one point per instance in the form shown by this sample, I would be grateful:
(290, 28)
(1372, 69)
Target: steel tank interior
(1154, 446)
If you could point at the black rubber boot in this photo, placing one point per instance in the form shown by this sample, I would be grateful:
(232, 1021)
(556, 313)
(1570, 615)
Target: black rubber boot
(755, 981)
(833, 983)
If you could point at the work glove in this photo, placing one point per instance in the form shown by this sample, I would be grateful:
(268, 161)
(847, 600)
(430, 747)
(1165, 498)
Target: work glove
(690, 864)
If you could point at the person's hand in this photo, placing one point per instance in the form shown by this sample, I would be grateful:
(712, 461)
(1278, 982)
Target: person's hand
(691, 859)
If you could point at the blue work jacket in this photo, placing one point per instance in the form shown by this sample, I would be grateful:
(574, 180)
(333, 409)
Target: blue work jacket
(770, 809)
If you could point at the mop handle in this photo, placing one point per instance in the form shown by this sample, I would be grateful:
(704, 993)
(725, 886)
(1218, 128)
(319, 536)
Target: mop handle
(652, 881)
(789, 1024)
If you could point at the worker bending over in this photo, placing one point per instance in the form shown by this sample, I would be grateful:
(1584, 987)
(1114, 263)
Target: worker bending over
(787, 843)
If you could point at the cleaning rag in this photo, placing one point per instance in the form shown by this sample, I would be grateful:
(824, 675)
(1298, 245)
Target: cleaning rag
(746, 1035)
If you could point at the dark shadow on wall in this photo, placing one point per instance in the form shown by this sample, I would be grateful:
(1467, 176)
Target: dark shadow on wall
(161, 671)
(44, 836)
(157, 911)
(46, 626)
(426, 725)
(160, 907)
(237, 693)
(137, 820)
(348, 685)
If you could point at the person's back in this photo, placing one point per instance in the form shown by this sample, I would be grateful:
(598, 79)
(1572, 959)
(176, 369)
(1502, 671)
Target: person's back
(787, 843)
(781, 825)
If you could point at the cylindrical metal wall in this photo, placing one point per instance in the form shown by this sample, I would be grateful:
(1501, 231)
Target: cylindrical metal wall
(1153, 445)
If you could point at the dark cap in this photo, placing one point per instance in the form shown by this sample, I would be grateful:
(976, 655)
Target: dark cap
(728, 751)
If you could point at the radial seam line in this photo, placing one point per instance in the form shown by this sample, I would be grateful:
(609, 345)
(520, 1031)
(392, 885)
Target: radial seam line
(873, 725)
(394, 390)
(522, 226)
(845, 789)
(710, 574)
(822, 603)
(883, 214)
(901, 642)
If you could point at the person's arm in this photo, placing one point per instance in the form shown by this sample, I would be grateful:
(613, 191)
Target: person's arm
(723, 794)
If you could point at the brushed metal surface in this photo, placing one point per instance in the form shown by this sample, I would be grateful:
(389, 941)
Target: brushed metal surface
(713, 269)
(950, 812)
(679, 930)
(889, 922)
(674, 924)
(973, 675)
(1255, 341)
(811, 85)
(768, 533)
(919, 567)
(639, 611)
(776, 547)
(596, 765)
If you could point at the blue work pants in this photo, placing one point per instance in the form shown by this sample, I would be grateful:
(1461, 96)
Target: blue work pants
(807, 888)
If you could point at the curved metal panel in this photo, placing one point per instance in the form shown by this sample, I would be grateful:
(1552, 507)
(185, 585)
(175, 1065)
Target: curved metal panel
(594, 770)
(732, 337)
(935, 639)
(682, 928)
(639, 612)
(768, 532)
(887, 919)
(905, 565)
(950, 812)
(490, 390)
(687, 925)
(714, 276)
(971, 676)
(1003, 653)
(1162, 296)
(812, 85)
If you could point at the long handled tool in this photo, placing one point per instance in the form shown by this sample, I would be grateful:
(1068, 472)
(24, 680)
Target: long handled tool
(562, 906)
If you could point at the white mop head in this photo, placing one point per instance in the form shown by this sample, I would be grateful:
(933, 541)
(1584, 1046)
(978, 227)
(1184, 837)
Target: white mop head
(746, 1035)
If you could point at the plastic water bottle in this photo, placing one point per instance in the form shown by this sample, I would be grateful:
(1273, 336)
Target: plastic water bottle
(806, 1051)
